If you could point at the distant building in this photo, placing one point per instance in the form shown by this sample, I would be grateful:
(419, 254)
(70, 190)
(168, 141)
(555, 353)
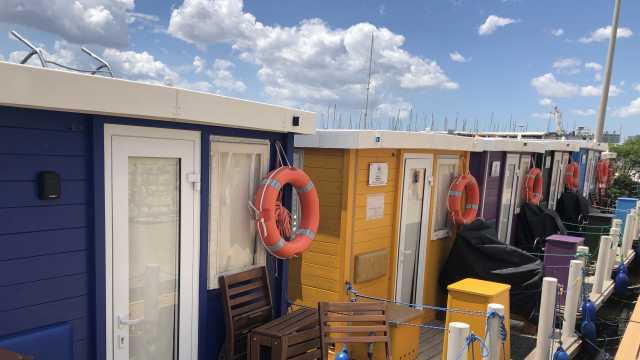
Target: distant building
(633, 138)
(611, 137)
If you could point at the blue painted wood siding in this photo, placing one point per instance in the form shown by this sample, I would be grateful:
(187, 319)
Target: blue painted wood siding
(44, 245)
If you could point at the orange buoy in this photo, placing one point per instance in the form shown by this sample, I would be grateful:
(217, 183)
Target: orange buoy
(468, 185)
(602, 173)
(533, 186)
(269, 212)
(572, 177)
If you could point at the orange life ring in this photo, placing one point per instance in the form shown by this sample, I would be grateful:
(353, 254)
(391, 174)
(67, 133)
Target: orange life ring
(602, 173)
(467, 184)
(533, 186)
(266, 204)
(572, 176)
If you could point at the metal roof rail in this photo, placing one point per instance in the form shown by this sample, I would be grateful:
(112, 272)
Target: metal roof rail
(104, 67)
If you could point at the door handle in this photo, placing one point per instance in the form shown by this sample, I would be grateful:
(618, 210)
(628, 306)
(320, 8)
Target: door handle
(125, 321)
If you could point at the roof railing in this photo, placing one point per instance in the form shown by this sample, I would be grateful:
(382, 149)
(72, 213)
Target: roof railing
(103, 68)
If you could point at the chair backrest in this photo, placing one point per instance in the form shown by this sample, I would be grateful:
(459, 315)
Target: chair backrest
(346, 323)
(246, 298)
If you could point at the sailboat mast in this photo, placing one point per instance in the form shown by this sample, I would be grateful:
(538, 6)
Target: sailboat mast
(366, 101)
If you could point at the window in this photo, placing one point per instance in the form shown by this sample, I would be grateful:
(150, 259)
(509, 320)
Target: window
(446, 172)
(237, 166)
(298, 161)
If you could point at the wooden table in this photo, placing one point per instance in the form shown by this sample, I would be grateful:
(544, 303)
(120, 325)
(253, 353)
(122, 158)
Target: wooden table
(295, 336)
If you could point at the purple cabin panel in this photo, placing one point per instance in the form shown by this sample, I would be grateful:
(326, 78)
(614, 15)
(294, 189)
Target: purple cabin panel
(559, 250)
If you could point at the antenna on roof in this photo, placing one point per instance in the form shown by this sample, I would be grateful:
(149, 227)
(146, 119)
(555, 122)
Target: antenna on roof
(103, 68)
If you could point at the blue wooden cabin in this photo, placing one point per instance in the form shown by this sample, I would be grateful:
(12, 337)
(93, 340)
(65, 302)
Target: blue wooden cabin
(553, 165)
(587, 158)
(121, 203)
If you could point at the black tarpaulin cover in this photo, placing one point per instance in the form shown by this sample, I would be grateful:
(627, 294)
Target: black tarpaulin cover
(477, 253)
(572, 207)
(534, 224)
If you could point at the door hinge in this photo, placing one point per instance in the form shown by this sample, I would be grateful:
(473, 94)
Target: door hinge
(194, 178)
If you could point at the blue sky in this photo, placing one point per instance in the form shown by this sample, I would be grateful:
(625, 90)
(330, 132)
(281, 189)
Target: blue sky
(453, 58)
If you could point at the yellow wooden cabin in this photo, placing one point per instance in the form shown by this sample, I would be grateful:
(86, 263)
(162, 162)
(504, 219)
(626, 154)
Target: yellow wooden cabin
(383, 214)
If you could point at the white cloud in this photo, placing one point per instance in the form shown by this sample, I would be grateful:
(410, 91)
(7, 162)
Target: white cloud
(204, 22)
(567, 65)
(382, 9)
(636, 87)
(310, 63)
(583, 112)
(545, 102)
(591, 90)
(198, 64)
(633, 109)
(457, 57)
(222, 77)
(604, 33)
(557, 32)
(547, 85)
(596, 68)
(540, 115)
(492, 24)
(101, 22)
(140, 66)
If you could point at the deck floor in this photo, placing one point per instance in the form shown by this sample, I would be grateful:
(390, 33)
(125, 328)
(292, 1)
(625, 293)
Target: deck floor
(431, 342)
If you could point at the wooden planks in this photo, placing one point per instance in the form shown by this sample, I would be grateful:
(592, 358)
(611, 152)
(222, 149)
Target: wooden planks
(44, 257)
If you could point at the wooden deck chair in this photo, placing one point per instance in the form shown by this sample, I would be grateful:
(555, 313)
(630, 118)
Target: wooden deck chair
(246, 301)
(347, 323)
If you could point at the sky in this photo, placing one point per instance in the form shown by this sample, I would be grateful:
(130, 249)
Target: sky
(490, 62)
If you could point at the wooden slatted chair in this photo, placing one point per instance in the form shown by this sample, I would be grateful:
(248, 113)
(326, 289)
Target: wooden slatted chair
(246, 298)
(346, 323)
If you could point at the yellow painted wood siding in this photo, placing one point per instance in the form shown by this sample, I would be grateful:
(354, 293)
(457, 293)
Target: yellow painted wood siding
(315, 275)
(341, 177)
(378, 234)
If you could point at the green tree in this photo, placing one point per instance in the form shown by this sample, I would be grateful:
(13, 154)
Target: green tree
(626, 182)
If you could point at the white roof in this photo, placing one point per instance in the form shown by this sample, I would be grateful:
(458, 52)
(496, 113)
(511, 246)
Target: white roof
(559, 145)
(509, 144)
(387, 139)
(51, 89)
(384, 139)
(589, 144)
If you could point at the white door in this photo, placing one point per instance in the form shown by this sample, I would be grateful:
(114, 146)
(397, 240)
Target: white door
(589, 176)
(556, 174)
(563, 169)
(525, 163)
(152, 180)
(507, 203)
(412, 249)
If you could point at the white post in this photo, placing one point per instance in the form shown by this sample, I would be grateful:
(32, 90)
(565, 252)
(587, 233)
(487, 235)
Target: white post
(574, 289)
(582, 252)
(626, 237)
(492, 337)
(601, 264)
(614, 232)
(545, 319)
(458, 333)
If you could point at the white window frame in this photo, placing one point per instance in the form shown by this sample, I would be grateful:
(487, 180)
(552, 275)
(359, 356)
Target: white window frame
(424, 223)
(298, 161)
(217, 143)
(442, 160)
(110, 131)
